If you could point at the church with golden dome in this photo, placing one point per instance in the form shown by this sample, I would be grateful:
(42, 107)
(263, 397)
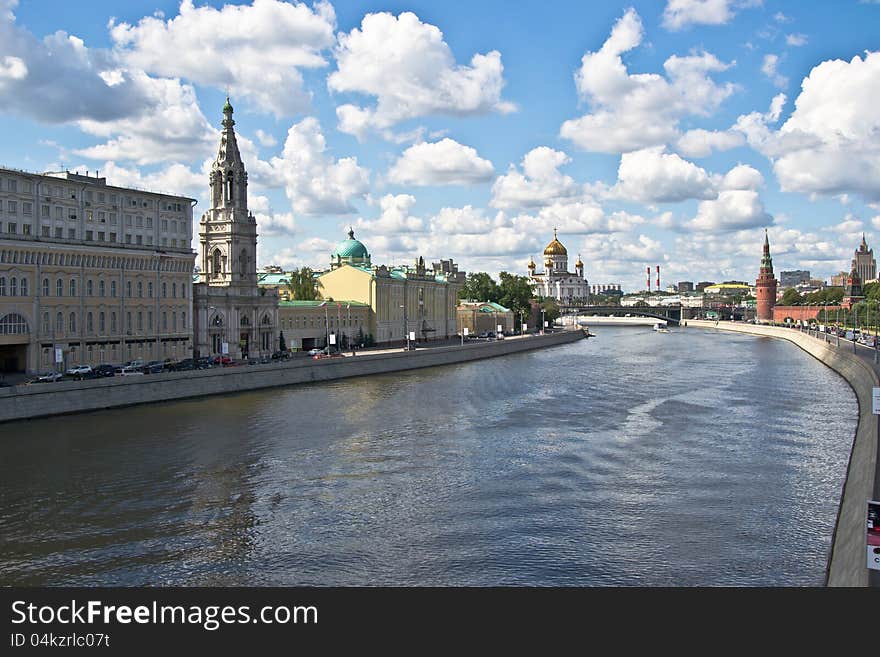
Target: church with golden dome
(556, 282)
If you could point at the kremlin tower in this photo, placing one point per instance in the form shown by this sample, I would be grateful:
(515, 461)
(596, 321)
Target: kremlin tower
(766, 285)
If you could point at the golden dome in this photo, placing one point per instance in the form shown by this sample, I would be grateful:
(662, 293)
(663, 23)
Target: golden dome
(579, 263)
(548, 263)
(555, 247)
(531, 263)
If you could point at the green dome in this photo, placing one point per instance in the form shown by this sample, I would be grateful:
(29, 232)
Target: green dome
(227, 108)
(350, 248)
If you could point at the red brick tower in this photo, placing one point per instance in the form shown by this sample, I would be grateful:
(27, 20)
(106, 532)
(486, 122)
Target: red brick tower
(766, 285)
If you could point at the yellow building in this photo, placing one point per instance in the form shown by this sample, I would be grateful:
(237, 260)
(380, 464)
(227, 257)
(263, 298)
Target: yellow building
(402, 299)
(91, 273)
(308, 324)
(483, 316)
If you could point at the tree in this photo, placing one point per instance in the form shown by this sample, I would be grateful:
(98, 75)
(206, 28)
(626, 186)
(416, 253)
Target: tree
(551, 310)
(479, 286)
(515, 293)
(302, 286)
(282, 345)
(791, 297)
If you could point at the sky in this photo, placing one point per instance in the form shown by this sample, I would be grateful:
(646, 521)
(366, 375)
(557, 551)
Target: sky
(664, 132)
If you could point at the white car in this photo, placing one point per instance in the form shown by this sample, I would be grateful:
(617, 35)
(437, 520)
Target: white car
(79, 370)
(315, 352)
(49, 377)
(131, 370)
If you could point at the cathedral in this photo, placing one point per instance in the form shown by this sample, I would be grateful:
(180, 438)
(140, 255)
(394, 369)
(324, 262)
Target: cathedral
(232, 314)
(556, 282)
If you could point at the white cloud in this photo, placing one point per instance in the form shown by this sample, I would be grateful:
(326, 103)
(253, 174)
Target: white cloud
(733, 210)
(276, 224)
(701, 143)
(636, 111)
(176, 179)
(742, 177)
(850, 226)
(174, 128)
(265, 138)
(769, 68)
(411, 71)
(796, 39)
(539, 184)
(461, 221)
(444, 162)
(652, 176)
(395, 217)
(830, 143)
(255, 50)
(315, 182)
(681, 13)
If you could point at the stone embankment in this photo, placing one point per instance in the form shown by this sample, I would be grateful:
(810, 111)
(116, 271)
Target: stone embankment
(41, 400)
(847, 563)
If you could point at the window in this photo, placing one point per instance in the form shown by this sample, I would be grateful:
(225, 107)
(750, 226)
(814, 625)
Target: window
(113, 322)
(27, 208)
(90, 288)
(45, 323)
(164, 321)
(127, 238)
(2, 286)
(71, 233)
(150, 321)
(72, 323)
(140, 239)
(11, 228)
(73, 287)
(128, 220)
(128, 289)
(174, 290)
(101, 288)
(59, 323)
(101, 324)
(149, 222)
(59, 288)
(13, 324)
(165, 225)
(102, 217)
(128, 322)
(44, 211)
(183, 321)
(174, 322)
(45, 287)
(164, 290)
(59, 212)
(13, 287)
(90, 216)
(113, 289)
(89, 236)
(139, 221)
(150, 240)
(11, 185)
(112, 237)
(89, 326)
(140, 289)
(13, 207)
(59, 233)
(140, 321)
(101, 236)
(112, 218)
(25, 229)
(24, 287)
(150, 289)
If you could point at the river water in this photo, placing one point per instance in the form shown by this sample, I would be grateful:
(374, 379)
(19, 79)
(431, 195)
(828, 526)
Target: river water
(635, 458)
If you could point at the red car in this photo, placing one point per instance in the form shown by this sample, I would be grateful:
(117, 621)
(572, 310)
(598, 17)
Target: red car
(222, 360)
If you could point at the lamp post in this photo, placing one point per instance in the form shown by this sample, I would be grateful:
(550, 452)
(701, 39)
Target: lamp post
(855, 323)
(326, 329)
(543, 323)
(837, 328)
(405, 324)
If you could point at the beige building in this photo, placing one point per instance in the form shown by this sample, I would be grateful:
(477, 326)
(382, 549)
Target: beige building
(233, 314)
(308, 324)
(96, 273)
(403, 299)
(483, 316)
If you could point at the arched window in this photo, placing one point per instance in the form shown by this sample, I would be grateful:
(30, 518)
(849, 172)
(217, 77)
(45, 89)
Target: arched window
(2, 286)
(112, 288)
(164, 290)
(46, 323)
(217, 265)
(13, 324)
(59, 288)
(59, 323)
(174, 290)
(245, 321)
(150, 289)
(140, 289)
(112, 322)
(45, 287)
(128, 322)
(90, 328)
(13, 287)
(128, 289)
(101, 288)
(72, 323)
(24, 287)
(174, 322)
(102, 326)
(217, 321)
(90, 288)
(72, 287)
(183, 321)
(266, 320)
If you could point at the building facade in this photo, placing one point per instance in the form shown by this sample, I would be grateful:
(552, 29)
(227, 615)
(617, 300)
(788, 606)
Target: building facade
(864, 263)
(309, 324)
(793, 278)
(484, 316)
(91, 273)
(765, 285)
(853, 290)
(403, 299)
(233, 314)
(556, 282)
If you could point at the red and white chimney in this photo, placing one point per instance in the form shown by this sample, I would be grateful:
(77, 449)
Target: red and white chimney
(658, 278)
(648, 270)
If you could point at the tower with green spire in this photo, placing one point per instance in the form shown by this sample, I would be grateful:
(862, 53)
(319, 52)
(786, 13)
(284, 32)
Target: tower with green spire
(766, 284)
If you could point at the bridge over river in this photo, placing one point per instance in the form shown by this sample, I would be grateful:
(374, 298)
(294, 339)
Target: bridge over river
(669, 314)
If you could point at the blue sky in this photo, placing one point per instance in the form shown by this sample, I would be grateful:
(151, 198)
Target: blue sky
(667, 133)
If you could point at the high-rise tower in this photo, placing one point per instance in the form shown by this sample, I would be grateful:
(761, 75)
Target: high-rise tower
(864, 263)
(766, 284)
(233, 316)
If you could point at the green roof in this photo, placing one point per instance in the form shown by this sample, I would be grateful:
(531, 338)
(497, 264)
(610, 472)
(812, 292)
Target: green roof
(273, 279)
(350, 248)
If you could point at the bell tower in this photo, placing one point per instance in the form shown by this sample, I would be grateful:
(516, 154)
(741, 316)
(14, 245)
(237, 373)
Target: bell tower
(228, 231)
(766, 285)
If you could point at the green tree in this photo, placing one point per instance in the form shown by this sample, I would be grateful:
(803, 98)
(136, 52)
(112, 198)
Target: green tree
(479, 286)
(551, 310)
(515, 293)
(791, 297)
(302, 285)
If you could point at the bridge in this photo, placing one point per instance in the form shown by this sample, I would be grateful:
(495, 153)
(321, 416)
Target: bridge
(669, 314)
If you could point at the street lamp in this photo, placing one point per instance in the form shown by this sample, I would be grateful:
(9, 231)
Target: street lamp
(543, 323)
(405, 325)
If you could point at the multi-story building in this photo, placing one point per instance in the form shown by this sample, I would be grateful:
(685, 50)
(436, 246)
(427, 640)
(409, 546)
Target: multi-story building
(233, 315)
(91, 273)
(484, 316)
(404, 300)
(685, 286)
(793, 278)
(309, 324)
(864, 263)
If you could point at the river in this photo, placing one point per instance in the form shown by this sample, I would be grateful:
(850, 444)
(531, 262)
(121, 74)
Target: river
(632, 458)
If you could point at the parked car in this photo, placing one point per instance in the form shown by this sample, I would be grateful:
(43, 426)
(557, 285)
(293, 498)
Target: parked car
(184, 365)
(204, 363)
(104, 370)
(48, 377)
(315, 352)
(79, 371)
(134, 363)
(223, 361)
(154, 367)
(281, 355)
(131, 370)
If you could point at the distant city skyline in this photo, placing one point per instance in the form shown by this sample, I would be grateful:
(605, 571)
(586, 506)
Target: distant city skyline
(648, 133)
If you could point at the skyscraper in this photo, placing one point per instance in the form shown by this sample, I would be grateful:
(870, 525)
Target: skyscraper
(766, 285)
(864, 263)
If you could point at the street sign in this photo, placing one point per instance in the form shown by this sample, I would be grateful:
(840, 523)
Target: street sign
(332, 338)
(412, 335)
(59, 355)
(465, 330)
(225, 349)
(499, 328)
(875, 398)
(872, 538)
